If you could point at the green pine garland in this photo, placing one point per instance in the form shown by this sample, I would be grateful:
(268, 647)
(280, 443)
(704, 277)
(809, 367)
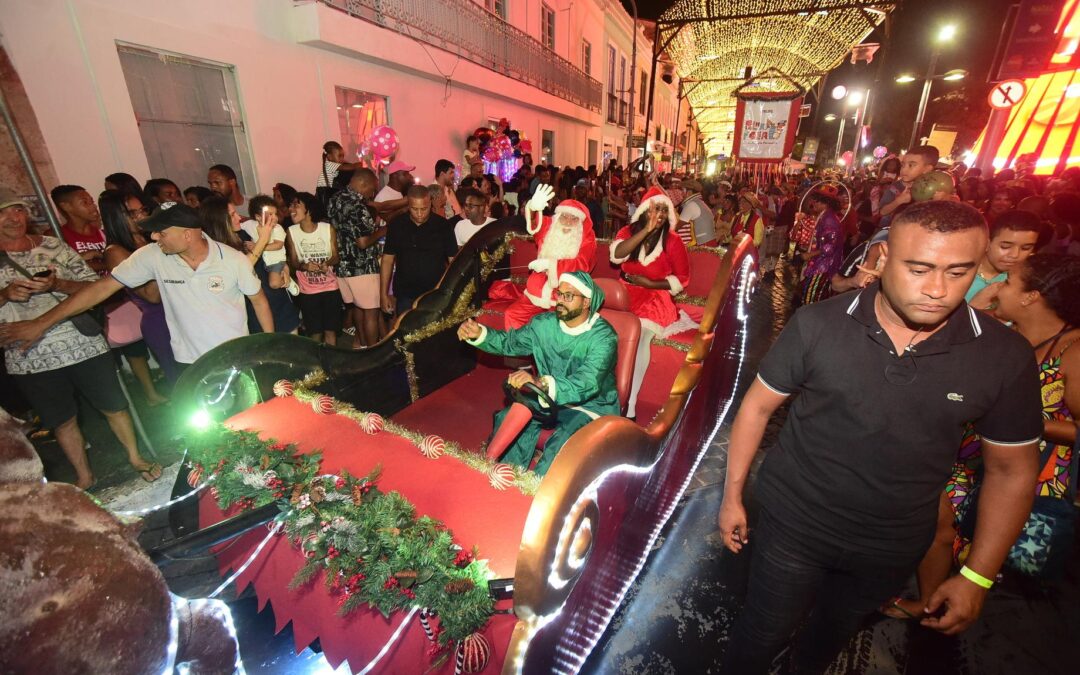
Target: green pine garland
(371, 547)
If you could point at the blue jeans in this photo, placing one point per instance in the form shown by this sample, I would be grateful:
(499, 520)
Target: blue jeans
(792, 576)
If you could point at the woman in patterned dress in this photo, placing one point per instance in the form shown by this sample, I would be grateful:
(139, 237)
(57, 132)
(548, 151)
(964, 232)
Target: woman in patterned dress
(827, 253)
(1042, 300)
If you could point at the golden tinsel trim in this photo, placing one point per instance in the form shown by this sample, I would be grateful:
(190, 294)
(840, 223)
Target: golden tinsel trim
(674, 344)
(695, 300)
(519, 279)
(527, 482)
(410, 370)
(715, 250)
(459, 313)
(314, 379)
(488, 263)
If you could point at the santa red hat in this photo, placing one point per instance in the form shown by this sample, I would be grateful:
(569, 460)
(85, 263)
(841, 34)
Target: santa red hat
(571, 207)
(574, 208)
(655, 194)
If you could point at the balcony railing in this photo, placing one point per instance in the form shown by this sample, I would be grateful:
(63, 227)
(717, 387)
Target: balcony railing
(465, 28)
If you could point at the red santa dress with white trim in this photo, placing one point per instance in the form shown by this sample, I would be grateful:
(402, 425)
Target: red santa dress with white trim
(667, 261)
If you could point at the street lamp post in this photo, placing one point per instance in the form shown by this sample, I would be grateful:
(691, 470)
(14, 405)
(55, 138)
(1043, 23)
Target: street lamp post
(925, 98)
(946, 33)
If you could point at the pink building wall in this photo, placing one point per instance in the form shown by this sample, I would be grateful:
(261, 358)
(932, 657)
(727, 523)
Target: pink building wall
(288, 57)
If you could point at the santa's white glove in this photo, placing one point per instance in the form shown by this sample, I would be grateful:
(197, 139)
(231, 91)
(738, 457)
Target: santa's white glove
(540, 265)
(540, 199)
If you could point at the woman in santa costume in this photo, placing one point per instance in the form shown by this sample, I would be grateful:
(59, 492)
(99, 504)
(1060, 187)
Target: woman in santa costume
(565, 243)
(655, 268)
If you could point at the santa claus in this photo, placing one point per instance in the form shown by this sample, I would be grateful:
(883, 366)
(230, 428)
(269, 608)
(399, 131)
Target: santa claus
(565, 243)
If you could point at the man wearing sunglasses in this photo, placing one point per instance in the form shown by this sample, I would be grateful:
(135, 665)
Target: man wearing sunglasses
(886, 380)
(574, 349)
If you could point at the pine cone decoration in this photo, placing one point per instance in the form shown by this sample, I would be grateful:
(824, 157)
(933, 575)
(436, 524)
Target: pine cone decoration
(264, 462)
(297, 490)
(318, 493)
(357, 495)
(405, 574)
(459, 586)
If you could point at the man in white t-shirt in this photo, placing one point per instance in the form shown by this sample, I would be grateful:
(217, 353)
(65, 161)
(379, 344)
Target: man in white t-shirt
(475, 218)
(390, 201)
(202, 285)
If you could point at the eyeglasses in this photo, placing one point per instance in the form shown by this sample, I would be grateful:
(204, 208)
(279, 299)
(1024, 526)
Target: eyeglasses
(138, 212)
(567, 297)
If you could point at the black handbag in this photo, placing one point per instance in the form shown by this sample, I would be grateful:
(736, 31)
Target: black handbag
(89, 323)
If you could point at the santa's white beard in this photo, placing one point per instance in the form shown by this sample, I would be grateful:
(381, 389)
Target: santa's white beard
(561, 246)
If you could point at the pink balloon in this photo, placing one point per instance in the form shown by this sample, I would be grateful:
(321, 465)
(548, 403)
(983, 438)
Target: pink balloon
(880, 152)
(384, 142)
(847, 157)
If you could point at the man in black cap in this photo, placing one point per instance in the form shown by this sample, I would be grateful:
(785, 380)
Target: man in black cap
(202, 284)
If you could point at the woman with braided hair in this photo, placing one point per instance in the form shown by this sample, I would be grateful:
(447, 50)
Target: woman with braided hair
(1041, 298)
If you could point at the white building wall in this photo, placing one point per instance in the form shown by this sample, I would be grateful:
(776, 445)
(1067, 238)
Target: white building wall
(288, 58)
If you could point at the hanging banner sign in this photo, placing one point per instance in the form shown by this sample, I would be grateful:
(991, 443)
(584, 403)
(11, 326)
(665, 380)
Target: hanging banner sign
(809, 150)
(765, 128)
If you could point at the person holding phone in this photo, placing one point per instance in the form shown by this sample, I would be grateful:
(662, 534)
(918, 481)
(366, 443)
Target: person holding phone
(36, 274)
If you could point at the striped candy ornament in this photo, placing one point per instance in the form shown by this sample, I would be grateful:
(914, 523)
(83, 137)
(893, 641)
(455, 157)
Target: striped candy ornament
(472, 654)
(194, 477)
(323, 404)
(426, 625)
(432, 446)
(501, 476)
(283, 388)
(372, 423)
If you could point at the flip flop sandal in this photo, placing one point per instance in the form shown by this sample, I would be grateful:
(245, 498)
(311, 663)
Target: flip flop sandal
(894, 605)
(147, 474)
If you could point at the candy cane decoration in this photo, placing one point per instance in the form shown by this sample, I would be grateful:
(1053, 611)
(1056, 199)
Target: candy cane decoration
(424, 614)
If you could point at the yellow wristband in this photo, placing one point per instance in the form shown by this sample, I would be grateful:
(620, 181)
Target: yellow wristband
(975, 578)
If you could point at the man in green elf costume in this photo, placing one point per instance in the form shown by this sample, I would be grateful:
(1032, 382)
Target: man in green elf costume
(574, 349)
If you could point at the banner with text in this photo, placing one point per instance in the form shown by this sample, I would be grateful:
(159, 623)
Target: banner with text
(765, 128)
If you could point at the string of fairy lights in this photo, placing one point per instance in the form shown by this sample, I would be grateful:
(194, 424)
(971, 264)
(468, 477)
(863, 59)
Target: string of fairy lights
(712, 42)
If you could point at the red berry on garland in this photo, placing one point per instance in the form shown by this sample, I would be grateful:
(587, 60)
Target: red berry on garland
(283, 388)
(372, 423)
(501, 476)
(323, 404)
(194, 477)
(473, 653)
(339, 483)
(432, 446)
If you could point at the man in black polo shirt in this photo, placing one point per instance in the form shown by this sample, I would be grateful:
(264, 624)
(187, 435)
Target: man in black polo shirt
(886, 380)
(418, 246)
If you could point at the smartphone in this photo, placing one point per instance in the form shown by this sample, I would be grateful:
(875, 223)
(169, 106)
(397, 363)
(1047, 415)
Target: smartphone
(42, 274)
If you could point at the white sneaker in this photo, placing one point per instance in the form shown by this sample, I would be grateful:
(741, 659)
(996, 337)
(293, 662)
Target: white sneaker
(293, 288)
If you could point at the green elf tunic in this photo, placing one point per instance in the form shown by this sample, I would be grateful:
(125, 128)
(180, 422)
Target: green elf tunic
(576, 367)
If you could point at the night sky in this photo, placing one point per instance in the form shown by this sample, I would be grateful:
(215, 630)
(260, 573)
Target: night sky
(914, 23)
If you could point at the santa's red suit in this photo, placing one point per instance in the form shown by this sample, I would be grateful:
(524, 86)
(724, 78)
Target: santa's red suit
(558, 253)
(667, 260)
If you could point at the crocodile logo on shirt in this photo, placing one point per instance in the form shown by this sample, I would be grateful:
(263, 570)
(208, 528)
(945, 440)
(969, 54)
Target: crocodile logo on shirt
(215, 284)
(959, 398)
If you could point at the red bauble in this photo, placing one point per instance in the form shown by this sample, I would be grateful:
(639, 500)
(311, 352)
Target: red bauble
(432, 446)
(501, 476)
(473, 654)
(372, 423)
(323, 404)
(283, 388)
(194, 477)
